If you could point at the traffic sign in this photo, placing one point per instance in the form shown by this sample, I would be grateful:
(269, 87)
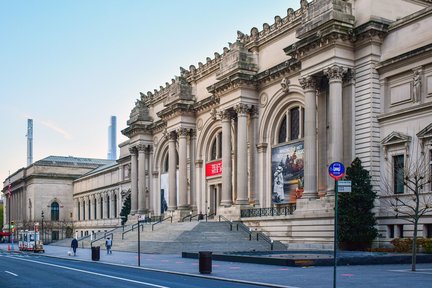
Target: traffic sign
(344, 186)
(336, 170)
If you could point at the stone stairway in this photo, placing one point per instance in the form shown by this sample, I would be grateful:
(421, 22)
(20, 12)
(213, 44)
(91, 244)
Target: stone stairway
(173, 238)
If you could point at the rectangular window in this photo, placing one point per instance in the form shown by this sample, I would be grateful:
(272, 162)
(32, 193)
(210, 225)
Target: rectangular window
(400, 229)
(55, 235)
(427, 230)
(390, 231)
(398, 174)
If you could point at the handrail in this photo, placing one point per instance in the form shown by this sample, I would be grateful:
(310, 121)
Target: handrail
(187, 216)
(197, 215)
(209, 215)
(226, 220)
(245, 229)
(265, 238)
(132, 228)
(160, 221)
(90, 235)
(105, 235)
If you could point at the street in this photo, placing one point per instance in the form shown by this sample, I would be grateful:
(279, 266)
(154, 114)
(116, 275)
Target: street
(21, 270)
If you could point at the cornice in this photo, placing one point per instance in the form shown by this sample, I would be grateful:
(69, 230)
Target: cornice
(424, 51)
(232, 83)
(136, 129)
(277, 72)
(176, 109)
(405, 112)
(206, 104)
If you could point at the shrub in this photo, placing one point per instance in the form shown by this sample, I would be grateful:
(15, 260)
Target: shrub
(427, 245)
(402, 244)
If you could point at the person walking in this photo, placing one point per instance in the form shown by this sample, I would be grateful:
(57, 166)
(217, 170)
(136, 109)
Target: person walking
(74, 245)
(108, 244)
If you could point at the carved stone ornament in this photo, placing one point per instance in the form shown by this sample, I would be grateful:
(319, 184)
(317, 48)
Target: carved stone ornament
(199, 124)
(417, 84)
(241, 109)
(285, 84)
(139, 113)
(132, 150)
(308, 83)
(182, 132)
(225, 114)
(172, 135)
(335, 72)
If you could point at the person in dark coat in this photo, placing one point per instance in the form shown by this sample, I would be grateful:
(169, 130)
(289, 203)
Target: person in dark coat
(74, 245)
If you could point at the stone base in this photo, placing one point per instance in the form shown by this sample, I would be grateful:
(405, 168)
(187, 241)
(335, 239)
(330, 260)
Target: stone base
(231, 213)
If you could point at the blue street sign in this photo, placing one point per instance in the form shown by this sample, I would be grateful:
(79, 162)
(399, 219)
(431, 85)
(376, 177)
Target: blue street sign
(336, 170)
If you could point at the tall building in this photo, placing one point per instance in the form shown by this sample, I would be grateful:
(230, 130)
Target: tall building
(29, 141)
(112, 143)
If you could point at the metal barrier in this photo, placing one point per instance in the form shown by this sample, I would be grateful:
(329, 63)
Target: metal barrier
(132, 228)
(226, 220)
(273, 211)
(160, 221)
(103, 237)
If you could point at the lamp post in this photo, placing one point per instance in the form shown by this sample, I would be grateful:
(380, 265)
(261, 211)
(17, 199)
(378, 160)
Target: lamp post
(42, 230)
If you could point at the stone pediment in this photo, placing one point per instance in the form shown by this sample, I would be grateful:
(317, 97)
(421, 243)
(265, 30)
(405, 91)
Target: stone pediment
(395, 138)
(237, 60)
(425, 133)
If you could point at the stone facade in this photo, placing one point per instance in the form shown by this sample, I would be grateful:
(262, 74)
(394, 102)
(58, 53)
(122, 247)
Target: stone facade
(335, 79)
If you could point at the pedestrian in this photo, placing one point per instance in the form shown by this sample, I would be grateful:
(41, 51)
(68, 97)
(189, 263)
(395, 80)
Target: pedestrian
(108, 244)
(74, 245)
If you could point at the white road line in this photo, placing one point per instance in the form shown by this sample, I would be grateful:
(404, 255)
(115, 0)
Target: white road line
(94, 273)
(418, 271)
(11, 273)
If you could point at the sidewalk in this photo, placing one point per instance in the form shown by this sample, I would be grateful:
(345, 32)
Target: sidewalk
(267, 275)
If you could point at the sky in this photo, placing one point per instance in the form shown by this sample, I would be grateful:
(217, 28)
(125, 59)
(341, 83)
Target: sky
(71, 64)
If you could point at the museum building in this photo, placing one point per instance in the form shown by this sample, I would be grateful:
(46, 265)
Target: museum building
(250, 133)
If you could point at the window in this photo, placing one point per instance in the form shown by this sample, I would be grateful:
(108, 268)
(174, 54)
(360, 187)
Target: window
(101, 208)
(400, 231)
(427, 230)
(390, 231)
(55, 211)
(216, 147)
(108, 206)
(55, 235)
(79, 211)
(398, 174)
(115, 206)
(291, 125)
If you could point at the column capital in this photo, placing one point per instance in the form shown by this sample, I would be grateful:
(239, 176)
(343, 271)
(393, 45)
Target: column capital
(133, 150)
(155, 174)
(141, 148)
(242, 109)
(172, 136)
(335, 72)
(225, 115)
(253, 111)
(308, 83)
(182, 132)
(262, 147)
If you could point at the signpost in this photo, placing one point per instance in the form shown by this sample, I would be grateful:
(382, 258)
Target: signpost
(336, 171)
(141, 219)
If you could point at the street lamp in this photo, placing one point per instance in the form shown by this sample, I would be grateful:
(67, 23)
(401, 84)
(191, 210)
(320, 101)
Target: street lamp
(42, 230)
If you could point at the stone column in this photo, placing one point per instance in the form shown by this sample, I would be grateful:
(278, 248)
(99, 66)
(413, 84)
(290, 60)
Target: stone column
(150, 186)
(156, 194)
(262, 171)
(134, 181)
(141, 178)
(199, 183)
(226, 159)
(75, 211)
(310, 160)
(98, 206)
(253, 156)
(192, 187)
(335, 74)
(242, 152)
(82, 209)
(172, 167)
(111, 204)
(182, 134)
(105, 205)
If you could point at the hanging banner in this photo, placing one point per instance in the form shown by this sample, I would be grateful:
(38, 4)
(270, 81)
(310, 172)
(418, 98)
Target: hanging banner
(287, 173)
(214, 168)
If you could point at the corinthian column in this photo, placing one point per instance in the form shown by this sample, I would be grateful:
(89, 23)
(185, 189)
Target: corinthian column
(226, 159)
(253, 156)
(335, 74)
(310, 162)
(172, 167)
(192, 189)
(242, 152)
(141, 178)
(182, 134)
(134, 180)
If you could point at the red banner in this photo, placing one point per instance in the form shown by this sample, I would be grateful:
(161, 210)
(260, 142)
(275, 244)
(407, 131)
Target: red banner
(214, 168)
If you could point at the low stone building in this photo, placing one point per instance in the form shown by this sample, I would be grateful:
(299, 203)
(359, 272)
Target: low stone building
(43, 193)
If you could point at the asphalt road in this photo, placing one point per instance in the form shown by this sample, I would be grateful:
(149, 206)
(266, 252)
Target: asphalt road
(35, 271)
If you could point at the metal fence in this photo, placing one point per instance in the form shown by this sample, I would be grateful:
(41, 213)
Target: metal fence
(272, 211)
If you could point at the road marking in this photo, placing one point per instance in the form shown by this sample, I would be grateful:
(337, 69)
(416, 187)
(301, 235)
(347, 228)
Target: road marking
(11, 273)
(94, 273)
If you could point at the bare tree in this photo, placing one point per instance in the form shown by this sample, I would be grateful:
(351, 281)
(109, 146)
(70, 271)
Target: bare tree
(413, 176)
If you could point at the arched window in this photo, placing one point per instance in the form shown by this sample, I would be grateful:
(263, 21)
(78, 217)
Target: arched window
(55, 211)
(166, 164)
(216, 147)
(291, 125)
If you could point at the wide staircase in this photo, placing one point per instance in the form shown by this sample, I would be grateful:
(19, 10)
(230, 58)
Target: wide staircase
(173, 238)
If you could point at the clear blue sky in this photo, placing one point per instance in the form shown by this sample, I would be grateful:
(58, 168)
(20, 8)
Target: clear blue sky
(70, 64)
